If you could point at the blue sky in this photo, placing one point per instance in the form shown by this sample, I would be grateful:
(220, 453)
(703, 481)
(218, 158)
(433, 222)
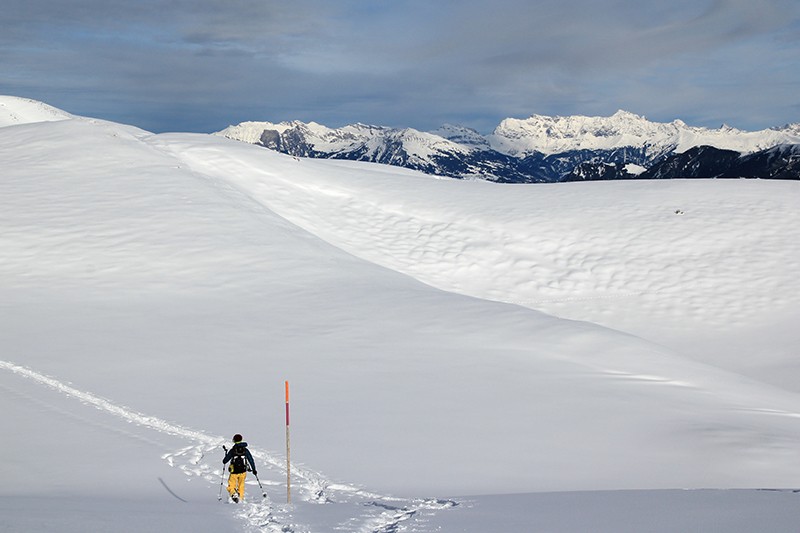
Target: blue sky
(200, 65)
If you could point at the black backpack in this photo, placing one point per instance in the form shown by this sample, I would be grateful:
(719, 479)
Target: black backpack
(239, 462)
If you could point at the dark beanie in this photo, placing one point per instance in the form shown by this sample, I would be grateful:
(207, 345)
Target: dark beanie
(237, 438)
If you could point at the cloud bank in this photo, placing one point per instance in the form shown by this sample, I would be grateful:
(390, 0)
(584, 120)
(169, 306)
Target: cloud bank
(201, 65)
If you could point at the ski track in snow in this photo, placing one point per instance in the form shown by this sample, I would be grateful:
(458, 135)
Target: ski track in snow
(377, 513)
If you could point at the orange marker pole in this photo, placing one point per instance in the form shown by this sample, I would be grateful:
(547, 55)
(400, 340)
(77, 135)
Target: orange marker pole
(288, 462)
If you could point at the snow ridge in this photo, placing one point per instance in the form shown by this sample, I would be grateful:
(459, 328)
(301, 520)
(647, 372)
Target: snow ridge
(15, 110)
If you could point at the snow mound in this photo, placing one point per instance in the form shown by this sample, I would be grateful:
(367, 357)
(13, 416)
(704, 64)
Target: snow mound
(15, 110)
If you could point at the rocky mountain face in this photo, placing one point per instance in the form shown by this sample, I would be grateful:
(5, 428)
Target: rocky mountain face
(546, 149)
(780, 162)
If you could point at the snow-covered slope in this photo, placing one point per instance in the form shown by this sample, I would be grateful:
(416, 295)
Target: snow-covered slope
(172, 283)
(15, 110)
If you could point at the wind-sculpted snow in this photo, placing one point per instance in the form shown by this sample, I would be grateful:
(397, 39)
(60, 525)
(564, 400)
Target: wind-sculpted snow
(652, 263)
(646, 258)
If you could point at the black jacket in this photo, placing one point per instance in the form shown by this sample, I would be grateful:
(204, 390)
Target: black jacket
(229, 455)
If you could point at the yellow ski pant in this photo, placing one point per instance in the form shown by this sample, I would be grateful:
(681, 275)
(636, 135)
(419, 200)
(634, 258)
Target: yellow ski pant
(236, 484)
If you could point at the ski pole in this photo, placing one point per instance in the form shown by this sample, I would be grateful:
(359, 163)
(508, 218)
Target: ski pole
(222, 478)
(263, 494)
(221, 481)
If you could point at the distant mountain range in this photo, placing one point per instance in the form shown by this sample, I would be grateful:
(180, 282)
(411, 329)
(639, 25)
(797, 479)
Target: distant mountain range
(547, 149)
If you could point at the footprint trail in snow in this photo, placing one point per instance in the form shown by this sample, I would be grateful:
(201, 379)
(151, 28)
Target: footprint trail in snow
(367, 512)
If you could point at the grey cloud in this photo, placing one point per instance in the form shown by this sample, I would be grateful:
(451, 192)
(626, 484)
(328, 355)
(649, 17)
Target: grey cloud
(407, 62)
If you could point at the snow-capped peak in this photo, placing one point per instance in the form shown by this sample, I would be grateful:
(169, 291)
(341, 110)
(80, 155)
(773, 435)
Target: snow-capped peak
(360, 141)
(556, 134)
(462, 135)
(551, 135)
(791, 129)
(621, 114)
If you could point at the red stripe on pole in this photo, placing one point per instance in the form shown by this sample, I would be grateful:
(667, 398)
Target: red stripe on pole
(287, 403)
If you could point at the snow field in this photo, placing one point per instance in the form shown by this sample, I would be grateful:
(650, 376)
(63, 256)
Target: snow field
(656, 259)
(200, 460)
(424, 325)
